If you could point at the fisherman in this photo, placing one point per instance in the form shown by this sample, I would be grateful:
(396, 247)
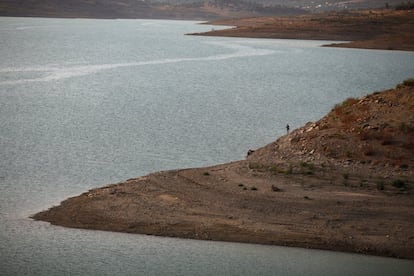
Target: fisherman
(287, 128)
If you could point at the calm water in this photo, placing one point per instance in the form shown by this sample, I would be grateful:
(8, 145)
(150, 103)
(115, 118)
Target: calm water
(85, 103)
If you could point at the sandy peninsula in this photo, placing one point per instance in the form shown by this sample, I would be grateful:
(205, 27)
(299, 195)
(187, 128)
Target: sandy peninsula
(344, 183)
(385, 29)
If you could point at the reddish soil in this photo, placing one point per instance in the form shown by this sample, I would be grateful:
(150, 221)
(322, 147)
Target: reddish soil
(344, 183)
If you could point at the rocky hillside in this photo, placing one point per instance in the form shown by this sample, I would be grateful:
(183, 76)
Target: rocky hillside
(376, 131)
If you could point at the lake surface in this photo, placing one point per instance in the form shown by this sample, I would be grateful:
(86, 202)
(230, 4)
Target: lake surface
(85, 103)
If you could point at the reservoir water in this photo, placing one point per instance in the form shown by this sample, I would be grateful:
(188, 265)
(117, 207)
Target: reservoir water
(84, 103)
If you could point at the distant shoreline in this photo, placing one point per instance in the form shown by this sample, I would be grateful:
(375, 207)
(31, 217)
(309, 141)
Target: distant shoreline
(133, 9)
(328, 185)
(373, 29)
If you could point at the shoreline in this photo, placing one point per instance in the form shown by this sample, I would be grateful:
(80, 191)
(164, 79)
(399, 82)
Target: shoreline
(306, 216)
(303, 190)
(369, 29)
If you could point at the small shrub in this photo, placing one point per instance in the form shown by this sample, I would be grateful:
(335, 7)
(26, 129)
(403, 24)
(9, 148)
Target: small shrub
(241, 185)
(386, 136)
(409, 82)
(405, 6)
(253, 188)
(331, 152)
(255, 166)
(295, 139)
(406, 128)
(400, 184)
(206, 173)
(337, 110)
(275, 188)
(404, 166)
(306, 197)
(276, 170)
(364, 135)
(349, 102)
(386, 142)
(362, 183)
(307, 165)
(324, 126)
(409, 145)
(346, 177)
(336, 136)
(369, 151)
(348, 119)
(307, 168)
(380, 185)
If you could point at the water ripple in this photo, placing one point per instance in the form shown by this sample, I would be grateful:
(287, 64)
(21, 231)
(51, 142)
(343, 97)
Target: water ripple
(54, 73)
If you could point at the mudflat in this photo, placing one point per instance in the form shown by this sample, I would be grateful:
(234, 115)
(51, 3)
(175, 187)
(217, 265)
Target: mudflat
(343, 183)
(371, 29)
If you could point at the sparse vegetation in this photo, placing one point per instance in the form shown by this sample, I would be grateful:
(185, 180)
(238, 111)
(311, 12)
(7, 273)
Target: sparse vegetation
(380, 185)
(405, 127)
(290, 169)
(409, 82)
(307, 165)
(276, 169)
(400, 184)
(341, 108)
(307, 168)
(275, 188)
(295, 139)
(206, 173)
(363, 183)
(369, 150)
(405, 6)
(404, 166)
(256, 166)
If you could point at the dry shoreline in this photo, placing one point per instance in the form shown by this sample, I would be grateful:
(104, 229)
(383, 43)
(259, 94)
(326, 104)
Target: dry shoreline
(372, 29)
(295, 191)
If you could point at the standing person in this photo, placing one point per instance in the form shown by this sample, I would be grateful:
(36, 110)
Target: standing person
(287, 128)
